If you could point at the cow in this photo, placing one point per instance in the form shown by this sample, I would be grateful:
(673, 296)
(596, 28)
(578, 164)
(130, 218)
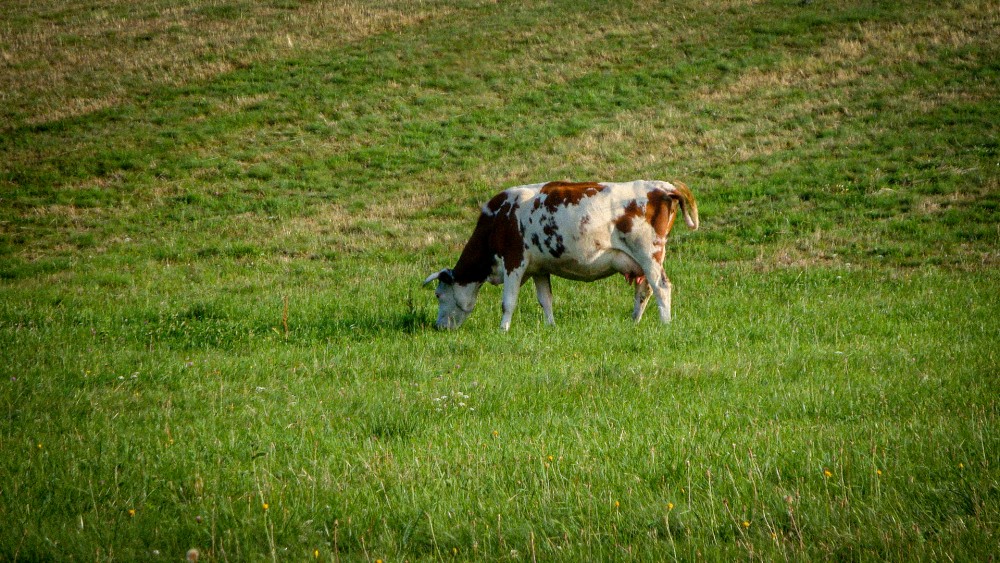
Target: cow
(581, 231)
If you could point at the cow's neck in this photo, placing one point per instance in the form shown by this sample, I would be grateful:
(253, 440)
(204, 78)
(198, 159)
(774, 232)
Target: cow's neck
(474, 266)
(476, 263)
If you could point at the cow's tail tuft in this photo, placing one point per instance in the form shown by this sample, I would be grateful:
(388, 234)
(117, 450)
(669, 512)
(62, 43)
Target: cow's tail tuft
(688, 204)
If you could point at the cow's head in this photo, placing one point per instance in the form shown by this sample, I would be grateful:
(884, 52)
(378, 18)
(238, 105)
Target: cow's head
(455, 300)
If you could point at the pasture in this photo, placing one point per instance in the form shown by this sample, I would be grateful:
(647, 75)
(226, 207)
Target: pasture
(215, 217)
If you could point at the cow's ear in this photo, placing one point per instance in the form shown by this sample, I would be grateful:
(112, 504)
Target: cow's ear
(445, 276)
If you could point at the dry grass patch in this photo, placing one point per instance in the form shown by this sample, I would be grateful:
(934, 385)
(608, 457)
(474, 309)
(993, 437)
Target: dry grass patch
(866, 49)
(240, 103)
(668, 142)
(976, 22)
(70, 59)
(662, 137)
(937, 203)
(818, 248)
(651, 138)
(389, 225)
(554, 56)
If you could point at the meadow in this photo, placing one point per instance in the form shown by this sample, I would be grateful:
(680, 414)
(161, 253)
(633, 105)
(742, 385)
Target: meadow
(215, 217)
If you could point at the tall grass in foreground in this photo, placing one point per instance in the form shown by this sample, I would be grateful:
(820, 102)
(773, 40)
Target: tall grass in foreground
(213, 335)
(842, 409)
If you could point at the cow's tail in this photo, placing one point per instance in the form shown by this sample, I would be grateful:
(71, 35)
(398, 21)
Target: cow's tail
(688, 204)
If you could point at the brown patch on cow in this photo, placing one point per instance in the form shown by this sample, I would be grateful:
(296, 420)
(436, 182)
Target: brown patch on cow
(507, 240)
(497, 203)
(661, 212)
(566, 193)
(476, 261)
(632, 211)
(497, 234)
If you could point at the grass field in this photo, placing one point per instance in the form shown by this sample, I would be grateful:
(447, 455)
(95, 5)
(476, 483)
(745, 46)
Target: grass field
(215, 217)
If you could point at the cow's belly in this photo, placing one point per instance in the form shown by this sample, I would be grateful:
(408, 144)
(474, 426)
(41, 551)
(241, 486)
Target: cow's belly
(592, 266)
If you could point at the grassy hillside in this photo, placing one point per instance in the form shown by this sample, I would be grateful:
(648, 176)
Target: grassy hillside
(215, 217)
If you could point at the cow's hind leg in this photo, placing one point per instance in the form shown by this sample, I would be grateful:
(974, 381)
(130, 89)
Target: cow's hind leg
(642, 293)
(543, 289)
(658, 283)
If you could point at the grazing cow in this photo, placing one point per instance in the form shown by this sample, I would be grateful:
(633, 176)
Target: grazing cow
(580, 231)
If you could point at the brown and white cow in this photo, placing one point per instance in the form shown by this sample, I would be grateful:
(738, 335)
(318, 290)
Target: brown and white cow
(580, 231)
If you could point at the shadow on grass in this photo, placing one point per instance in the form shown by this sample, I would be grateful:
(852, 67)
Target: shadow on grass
(350, 321)
(357, 323)
(208, 325)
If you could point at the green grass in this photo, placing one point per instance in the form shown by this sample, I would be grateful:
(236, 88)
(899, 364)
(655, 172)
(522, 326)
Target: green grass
(215, 217)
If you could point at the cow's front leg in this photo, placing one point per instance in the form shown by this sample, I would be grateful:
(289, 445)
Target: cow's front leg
(642, 293)
(511, 287)
(543, 289)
